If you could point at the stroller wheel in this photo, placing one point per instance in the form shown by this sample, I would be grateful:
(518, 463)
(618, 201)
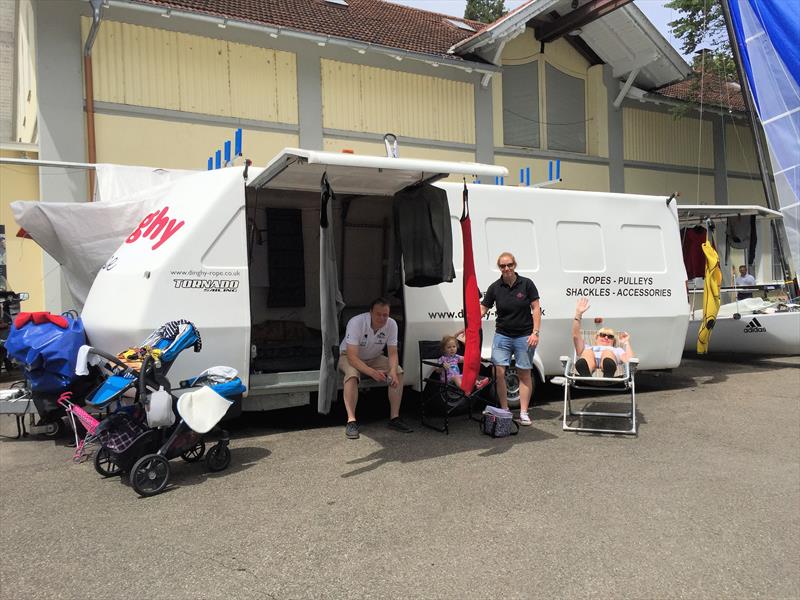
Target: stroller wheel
(150, 475)
(194, 453)
(53, 429)
(105, 462)
(218, 458)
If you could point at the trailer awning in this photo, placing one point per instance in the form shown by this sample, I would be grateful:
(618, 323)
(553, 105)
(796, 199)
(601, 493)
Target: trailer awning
(301, 170)
(688, 212)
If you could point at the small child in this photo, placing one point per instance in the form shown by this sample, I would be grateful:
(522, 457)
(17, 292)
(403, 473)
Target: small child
(451, 359)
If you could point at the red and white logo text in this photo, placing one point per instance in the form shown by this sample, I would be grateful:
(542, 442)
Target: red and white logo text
(155, 226)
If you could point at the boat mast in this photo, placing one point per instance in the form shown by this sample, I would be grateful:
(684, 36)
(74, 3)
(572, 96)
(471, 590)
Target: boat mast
(763, 164)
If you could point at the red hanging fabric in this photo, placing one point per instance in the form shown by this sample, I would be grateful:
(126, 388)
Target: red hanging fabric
(472, 309)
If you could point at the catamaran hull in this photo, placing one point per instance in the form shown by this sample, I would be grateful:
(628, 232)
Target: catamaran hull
(761, 334)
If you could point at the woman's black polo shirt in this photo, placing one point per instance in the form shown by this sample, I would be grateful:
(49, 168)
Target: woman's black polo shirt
(514, 317)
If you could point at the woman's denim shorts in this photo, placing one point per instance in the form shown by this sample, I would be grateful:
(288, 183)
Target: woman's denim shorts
(504, 346)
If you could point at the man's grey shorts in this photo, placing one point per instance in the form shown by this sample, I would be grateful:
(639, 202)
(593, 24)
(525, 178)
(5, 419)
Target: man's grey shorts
(379, 363)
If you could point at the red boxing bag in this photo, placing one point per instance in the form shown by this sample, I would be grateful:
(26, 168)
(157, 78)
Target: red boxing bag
(472, 310)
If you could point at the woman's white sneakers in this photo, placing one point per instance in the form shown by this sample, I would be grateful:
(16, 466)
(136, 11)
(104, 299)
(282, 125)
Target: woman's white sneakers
(524, 418)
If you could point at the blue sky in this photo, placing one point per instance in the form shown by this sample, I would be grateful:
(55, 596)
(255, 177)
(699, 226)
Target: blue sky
(654, 9)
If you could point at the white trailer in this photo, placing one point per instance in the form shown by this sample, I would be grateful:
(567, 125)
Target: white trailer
(240, 258)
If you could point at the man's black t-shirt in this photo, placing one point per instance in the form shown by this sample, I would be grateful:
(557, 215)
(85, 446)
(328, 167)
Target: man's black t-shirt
(514, 317)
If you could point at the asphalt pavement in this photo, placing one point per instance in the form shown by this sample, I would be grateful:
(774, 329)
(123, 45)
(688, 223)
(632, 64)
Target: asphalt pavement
(704, 503)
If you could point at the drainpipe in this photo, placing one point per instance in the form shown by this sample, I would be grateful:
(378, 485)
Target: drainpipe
(88, 81)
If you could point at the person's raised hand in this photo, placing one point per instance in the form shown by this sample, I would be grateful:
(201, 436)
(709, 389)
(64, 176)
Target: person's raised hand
(582, 307)
(624, 337)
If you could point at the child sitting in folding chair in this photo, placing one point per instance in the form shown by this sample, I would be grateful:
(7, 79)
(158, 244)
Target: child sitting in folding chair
(450, 361)
(603, 353)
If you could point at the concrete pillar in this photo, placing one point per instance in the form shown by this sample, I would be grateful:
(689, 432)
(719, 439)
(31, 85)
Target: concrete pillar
(616, 141)
(484, 124)
(61, 120)
(309, 99)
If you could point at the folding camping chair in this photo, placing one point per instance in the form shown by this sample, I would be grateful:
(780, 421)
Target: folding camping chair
(622, 383)
(446, 398)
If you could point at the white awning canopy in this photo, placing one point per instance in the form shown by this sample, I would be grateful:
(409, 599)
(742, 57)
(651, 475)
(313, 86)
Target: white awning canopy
(301, 170)
(688, 212)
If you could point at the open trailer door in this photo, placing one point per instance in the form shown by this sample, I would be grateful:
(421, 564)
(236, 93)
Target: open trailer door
(296, 170)
(301, 170)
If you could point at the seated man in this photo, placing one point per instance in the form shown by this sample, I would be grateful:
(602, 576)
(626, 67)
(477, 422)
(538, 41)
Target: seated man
(604, 354)
(744, 279)
(362, 353)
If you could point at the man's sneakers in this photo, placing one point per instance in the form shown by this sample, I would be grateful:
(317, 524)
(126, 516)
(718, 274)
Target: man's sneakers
(398, 425)
(351, 430)
(524, 418)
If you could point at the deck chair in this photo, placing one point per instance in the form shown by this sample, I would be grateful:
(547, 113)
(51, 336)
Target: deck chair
(623, 382)
(445, 399)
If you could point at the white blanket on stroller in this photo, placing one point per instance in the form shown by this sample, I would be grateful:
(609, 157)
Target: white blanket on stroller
(202, 409)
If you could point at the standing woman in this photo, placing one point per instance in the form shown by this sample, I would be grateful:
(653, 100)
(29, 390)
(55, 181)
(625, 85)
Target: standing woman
(516, 329)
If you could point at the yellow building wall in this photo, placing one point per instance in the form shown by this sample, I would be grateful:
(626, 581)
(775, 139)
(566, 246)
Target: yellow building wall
(575, 176)
(143, 66)
(662, 139)
(176, 145)
(746, 191)
(692, 189)
(740, 148)
(497, 109)
(368, 99)
(24, 258)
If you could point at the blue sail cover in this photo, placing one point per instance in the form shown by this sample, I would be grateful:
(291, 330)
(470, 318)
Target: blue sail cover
(768, 37)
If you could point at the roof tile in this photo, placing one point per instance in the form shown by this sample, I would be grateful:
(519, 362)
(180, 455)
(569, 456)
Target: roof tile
(369, 21)
(711, 90)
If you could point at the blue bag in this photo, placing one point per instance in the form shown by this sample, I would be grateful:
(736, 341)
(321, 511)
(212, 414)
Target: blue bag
(47, 352)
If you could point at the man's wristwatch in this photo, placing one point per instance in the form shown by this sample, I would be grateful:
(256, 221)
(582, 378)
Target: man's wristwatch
(535, 332)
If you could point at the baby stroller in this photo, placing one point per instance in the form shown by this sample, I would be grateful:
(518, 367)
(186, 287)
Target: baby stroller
(200, 412)
(137, 372)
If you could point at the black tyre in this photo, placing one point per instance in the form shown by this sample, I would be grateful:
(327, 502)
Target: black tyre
(54, 428)
(512, 387)
(218, 458)
(194, 453)
(150, 475)
(105, 462)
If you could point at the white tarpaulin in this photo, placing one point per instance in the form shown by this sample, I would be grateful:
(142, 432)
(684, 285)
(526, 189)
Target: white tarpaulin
(82, 236)
(124, 183)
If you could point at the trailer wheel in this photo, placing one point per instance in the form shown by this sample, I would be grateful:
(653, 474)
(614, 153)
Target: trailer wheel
(105, 462)
(512, 387)
(194, 453)
(150, 475)
(218, 458)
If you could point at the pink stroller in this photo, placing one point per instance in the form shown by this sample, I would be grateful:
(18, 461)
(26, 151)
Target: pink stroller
(78, 415)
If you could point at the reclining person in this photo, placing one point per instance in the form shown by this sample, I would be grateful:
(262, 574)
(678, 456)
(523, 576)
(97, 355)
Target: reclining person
(604, 354)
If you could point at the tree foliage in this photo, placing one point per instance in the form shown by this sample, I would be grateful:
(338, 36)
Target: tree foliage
(701, 26)
(485, 11)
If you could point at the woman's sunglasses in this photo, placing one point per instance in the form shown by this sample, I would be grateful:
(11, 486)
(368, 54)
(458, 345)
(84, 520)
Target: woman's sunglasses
(608, 336)
(506, 266)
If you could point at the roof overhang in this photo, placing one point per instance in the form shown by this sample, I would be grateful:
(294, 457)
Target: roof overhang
(624, 39)
(435, 60)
